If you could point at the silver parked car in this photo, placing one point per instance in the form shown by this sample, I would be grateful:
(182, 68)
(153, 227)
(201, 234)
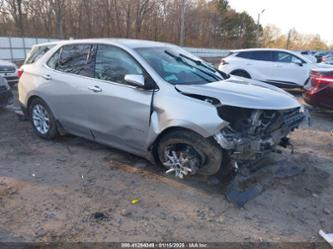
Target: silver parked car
(157, 101)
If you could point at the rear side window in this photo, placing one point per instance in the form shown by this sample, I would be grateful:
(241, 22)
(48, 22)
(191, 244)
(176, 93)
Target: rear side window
(75, 59)
(36, 53)
(263, 56)
(256, 55)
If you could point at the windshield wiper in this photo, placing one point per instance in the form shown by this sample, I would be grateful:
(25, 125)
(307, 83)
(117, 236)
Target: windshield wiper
(198, 62)
(180, 58)
(206, 65)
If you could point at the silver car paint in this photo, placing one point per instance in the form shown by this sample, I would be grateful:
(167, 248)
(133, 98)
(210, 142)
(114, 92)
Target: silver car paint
(241, 93)
(122, 115)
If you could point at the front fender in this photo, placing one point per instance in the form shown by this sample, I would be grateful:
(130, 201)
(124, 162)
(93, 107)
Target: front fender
(184, 112)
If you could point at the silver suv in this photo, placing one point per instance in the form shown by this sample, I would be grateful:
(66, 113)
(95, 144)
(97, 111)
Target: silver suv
(157, 101)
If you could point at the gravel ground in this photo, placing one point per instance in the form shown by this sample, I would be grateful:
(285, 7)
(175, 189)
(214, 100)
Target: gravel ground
(71, 189)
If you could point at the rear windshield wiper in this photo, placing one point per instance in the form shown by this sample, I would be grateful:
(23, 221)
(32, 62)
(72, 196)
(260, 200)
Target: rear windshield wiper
(180, 58)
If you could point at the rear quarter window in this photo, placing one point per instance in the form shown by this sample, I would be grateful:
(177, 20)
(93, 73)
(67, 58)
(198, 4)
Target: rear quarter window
(36, 53)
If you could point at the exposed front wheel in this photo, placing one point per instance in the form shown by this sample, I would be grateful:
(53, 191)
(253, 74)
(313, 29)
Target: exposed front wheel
(184, 153)
(42, 119)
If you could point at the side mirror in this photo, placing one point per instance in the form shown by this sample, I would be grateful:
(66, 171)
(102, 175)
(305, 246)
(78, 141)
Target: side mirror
(135, 79)
(299, 63)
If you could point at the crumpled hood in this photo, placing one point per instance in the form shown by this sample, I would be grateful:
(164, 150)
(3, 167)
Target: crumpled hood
(245, 93)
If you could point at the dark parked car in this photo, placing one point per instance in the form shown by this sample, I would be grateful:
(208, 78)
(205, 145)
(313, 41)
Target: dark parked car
(319, 90)
(319, 55)
(6, 95)
(8, 70)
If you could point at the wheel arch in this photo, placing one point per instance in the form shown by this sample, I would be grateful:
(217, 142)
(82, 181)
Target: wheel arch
(32, 98)
(153, 146)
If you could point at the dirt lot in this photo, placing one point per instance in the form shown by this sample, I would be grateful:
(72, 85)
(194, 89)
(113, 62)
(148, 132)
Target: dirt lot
(71, 189)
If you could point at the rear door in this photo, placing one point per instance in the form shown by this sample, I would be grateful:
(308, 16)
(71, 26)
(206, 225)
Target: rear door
(71, 70)
(289, 69)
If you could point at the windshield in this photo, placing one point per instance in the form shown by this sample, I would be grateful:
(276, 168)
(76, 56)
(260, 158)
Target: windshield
(176, 66)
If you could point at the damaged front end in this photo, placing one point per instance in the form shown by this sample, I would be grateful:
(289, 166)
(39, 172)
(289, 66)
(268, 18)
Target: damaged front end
(253, 133)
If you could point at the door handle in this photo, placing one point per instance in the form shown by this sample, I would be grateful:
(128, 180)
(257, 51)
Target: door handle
(47, 77)
(95, 89)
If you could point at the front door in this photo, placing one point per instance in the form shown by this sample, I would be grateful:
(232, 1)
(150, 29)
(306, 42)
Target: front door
(289, 69)
(118, 112)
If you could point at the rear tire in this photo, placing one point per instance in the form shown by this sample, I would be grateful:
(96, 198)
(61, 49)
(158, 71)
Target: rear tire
(208, 155)
(241, 73)
(42, 119)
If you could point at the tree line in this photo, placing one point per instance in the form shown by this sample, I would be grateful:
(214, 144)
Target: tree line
(273, 37)
(206, 23)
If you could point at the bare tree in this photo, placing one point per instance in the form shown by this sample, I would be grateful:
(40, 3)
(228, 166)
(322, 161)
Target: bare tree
(208, 23)
(58, 9)
(14, 7)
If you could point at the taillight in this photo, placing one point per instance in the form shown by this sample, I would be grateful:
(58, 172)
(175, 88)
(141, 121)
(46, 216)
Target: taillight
(318, 80)
(224, 62)
(19, 72)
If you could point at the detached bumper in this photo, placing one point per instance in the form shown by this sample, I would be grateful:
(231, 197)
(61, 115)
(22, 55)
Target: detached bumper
(249, 146)
(6, 97)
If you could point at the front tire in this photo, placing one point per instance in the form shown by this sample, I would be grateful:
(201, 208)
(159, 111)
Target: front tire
(42, 119)
(187, 153)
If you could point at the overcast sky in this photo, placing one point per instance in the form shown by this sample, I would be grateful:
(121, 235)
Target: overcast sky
(306, 16)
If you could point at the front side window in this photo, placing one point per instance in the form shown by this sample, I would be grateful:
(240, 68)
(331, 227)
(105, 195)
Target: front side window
(177, 67)
(285, 58)
(75, 59)
(112, 64)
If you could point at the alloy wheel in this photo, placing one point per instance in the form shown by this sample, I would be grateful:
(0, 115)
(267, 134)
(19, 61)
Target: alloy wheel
(40, 119)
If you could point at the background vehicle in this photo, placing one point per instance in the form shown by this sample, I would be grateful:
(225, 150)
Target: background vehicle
(6, 96)
(8, 70)
(328, 58)
(319, 91)
(148, 98)
(309, 55)
(319, 55)
(274, 66)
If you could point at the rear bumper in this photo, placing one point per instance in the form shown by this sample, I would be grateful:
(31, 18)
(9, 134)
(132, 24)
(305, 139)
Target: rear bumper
(6, 98)
(314, 98)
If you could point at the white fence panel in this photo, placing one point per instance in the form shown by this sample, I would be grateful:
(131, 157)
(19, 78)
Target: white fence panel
(207, 52)
(16, 48)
